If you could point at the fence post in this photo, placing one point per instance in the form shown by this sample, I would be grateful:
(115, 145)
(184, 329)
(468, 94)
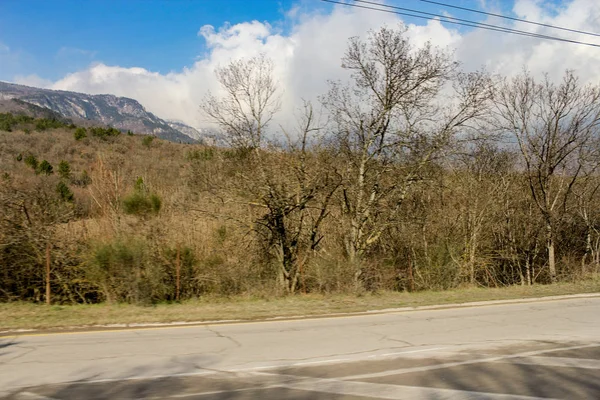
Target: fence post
(178, 272)
(411, 279)
(48, 273)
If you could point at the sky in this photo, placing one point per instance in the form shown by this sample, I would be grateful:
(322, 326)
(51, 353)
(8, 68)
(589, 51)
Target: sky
(163, 52)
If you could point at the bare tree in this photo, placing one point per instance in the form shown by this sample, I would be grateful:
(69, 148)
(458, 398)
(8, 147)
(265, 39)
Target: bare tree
(551, 123)
(587, 192)
(248, 103)
(296, 190)
(392, 121)
(290, 191)
(481, 176)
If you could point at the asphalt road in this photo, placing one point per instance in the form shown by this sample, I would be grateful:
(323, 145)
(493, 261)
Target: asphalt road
(539, 350)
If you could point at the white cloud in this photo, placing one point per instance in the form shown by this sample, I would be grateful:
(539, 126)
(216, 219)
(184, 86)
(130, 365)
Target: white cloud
(33, 80)
(310, 54)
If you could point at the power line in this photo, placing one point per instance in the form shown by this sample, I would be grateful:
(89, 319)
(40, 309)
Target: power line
(510, 18)
(457, 21)
(479, 24)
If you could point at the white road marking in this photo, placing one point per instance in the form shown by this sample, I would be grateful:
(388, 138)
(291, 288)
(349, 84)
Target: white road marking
(33, 396)
(346, 385)
(395, 392)
(336, 360)
(556, 362)
(215, 392)
(459, 363)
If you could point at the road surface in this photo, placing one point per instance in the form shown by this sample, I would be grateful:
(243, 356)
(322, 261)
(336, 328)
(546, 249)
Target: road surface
(536, 350)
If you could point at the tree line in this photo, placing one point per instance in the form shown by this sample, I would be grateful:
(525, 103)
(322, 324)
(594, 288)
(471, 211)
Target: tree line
(412, 175)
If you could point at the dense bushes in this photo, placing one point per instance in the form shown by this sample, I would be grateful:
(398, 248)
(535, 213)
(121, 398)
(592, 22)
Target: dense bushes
(114, 236)
(141, 202)
(10, 122)
(392, 198)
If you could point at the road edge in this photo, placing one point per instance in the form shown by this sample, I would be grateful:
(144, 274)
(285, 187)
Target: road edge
(181, 324)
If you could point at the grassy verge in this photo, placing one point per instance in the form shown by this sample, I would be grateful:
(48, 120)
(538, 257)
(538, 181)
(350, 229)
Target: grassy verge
(37, 316)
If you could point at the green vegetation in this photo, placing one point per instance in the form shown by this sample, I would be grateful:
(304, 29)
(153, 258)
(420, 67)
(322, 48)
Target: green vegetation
(379, 202)
(147, 140)
(141, 202)
(64, 169)
(205, 154)
(44, 168)
(64, 192)
(31, 161)
(22, 315)
(103, 133)
(9, 122)
(80, 133)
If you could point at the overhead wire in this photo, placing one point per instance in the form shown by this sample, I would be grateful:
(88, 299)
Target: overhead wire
(509, 18)
(480, 24)
(456, 21)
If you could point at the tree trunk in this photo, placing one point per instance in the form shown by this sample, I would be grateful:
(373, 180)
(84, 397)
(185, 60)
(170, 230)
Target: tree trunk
(550, 247)
(472, 254)
(48, 273)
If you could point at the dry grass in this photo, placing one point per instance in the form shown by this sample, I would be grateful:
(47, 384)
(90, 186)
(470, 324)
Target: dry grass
(35, 316)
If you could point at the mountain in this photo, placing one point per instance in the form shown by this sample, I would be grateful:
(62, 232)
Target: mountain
(20, 107)
(119, 112)
(186, 129)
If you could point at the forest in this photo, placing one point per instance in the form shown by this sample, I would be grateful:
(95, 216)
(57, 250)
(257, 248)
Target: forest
(411, 175)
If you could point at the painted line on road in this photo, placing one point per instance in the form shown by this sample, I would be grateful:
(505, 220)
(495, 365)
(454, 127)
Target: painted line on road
(33, 396)
(460, 363)
(395, 392)
(584, 363)
(231, 371)
(213, 393)
(352, 359)
(196, 324)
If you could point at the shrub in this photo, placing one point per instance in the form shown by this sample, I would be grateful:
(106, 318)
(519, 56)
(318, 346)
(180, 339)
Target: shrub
(64, 192)
(31, 161)
(83, 180)
(5, 126)
(44, 168)
(206, 154)
(124, 271)
(156, 203)
(140, 204)
(20, 157)
(147, 140)
(44, 123)
(64, 169)
(103, 133)
(80, 133)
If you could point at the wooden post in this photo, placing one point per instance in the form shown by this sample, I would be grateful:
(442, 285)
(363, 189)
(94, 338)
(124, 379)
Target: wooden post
(48, 273)
(178, 272)
(411, 280)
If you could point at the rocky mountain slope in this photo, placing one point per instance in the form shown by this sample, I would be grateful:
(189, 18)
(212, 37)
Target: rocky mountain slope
(119, 112)
(186, 129)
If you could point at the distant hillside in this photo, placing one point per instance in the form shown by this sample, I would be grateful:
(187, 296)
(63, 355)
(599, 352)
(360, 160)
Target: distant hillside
(119, 112)
(186, 129)
(20, 107)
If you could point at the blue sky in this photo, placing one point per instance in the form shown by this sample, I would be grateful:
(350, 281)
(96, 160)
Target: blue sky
(58, 36)
(51, 38)
(150, 50)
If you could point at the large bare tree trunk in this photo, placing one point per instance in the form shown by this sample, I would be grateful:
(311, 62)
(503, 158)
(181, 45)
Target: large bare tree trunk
(550, 248)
